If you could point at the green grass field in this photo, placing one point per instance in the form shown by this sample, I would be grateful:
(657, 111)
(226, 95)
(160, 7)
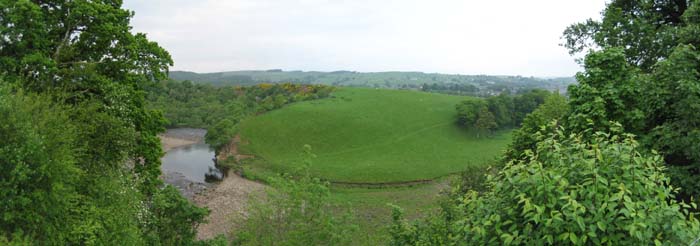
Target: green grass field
(369, 136)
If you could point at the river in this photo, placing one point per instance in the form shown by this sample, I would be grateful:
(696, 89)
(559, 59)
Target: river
(188, 163)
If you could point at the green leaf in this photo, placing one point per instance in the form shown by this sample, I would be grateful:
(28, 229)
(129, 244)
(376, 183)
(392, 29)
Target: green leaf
(600, 225)
(573, 237)
(507, 238)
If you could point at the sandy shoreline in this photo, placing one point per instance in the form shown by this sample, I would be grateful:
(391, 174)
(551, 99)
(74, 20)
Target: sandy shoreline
(178, 137)
(169, 143)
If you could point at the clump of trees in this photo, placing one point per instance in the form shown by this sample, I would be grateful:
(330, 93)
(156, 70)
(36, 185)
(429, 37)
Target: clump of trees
(451, 88)
(499, 112)
(80, 156)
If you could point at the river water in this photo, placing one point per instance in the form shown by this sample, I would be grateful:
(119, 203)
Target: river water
(195, 162)
(190, 168)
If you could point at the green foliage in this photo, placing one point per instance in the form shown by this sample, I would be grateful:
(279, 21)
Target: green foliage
(38, 170)
(555, 107)
(221, 134)
(468, 111)
(672, 98)
(647, 29)
(185, 104)
(435, 229)
(174, 219)
(504, 110)
(607, 91)
(451, 88)
(82, 160)
(569, 192)
(296, 211)
(17, 240)
(220, 109)
(526, 102)
(470, 85)
(368, 136)
(485, 121)
(645, 75)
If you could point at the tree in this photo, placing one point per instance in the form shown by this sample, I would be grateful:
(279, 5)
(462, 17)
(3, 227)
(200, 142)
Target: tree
(485, 122)
(572, 192)
(221, 134)
(555, 107)
(643, 74)
(82, 56)
(527, 102)
(502, 108)
(647, 29)
(607, 91)
(672, 102)
(38, 171)
(468, 112)
(279, 100)
(86, 51)
(175, 219)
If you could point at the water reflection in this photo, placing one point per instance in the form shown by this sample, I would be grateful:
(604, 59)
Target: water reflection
(196, 162)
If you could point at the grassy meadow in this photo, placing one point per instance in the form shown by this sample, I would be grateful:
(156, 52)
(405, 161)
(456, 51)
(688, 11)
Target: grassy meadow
(371, 136)
(365, 135)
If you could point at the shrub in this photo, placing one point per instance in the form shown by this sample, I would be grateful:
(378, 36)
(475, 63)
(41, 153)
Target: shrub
(38, 170)
(296, 212)
(573, 192)
(174, 219)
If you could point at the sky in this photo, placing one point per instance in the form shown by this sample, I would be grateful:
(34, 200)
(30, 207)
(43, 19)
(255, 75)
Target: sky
(506, 37)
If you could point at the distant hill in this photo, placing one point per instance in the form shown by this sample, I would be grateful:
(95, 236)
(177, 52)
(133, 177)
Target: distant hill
(483, 84)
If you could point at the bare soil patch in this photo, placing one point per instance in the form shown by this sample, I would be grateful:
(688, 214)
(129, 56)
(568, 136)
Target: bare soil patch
(227, 200)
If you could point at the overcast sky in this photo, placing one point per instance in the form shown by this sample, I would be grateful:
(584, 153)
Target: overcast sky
(507, 37)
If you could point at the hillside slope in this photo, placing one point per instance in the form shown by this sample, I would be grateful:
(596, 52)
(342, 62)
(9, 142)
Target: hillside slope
(370, 136)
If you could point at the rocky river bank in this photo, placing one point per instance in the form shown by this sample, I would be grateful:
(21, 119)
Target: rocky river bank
(227, 199)
(179, 138)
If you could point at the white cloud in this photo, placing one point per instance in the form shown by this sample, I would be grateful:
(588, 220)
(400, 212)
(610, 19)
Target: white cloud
(512, 37)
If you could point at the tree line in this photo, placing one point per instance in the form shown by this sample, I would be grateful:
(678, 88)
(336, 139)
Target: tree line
(188, 104)
(487, 85)
(220, 109)
(499, 112)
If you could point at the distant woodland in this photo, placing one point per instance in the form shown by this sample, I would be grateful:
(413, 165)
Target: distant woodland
(473, 85)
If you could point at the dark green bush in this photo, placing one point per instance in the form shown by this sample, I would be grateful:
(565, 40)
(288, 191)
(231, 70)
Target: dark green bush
(571, 192)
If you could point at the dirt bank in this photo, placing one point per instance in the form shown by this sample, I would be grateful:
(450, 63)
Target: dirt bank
(226, 200)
